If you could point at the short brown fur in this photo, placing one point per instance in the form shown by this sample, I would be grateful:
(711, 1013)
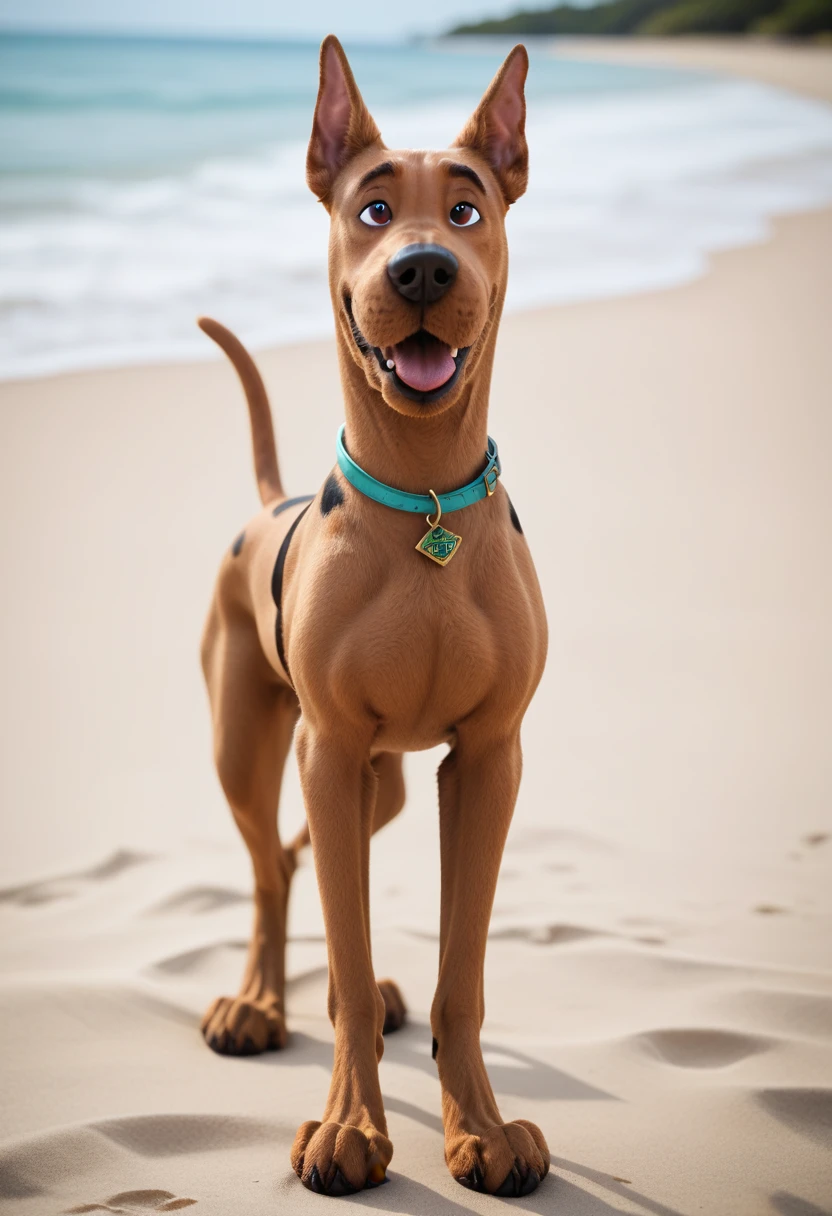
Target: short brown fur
(385, 652)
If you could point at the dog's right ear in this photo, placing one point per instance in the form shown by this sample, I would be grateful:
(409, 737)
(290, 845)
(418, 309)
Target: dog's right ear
(342, 125)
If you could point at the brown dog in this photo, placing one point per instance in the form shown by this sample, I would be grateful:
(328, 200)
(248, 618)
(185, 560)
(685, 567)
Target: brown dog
(365, 650)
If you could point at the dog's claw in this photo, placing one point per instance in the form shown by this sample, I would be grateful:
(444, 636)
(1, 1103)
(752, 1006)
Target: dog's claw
(511, 1184)
(315, 1182)
(474, 1180)
(260, 1029)
(339, 1186)
(532, 1182)
(377, 1175)
(514, 1184)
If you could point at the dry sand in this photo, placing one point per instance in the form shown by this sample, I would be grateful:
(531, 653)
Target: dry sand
(803, 69)
(659, 982)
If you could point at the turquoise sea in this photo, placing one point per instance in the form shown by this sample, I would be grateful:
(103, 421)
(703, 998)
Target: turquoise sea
(145, 180)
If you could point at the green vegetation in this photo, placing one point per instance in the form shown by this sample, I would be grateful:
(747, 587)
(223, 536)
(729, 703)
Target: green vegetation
(713, 16)
(799, 19)
(778, 18)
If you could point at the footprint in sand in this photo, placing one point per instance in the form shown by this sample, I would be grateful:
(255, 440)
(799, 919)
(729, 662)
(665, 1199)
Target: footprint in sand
(71, 1168)
(696, 1048)
(69, 886)
(135, 1202)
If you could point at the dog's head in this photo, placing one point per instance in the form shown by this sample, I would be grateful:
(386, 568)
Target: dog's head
(417, 254)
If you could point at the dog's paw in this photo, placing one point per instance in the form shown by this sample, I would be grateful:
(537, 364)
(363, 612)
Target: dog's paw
(509, 1159)
(234, 1026)
(338, 1159)
(395, 1010)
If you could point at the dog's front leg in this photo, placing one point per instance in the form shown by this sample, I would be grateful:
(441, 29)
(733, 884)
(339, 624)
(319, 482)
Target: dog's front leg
(349, 1148)
(478, 783)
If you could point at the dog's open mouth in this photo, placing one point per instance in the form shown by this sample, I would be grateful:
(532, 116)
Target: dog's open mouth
(423, 367)
(422, 362)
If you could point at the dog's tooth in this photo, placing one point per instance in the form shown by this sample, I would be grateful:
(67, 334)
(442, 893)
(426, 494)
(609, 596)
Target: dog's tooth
(391, 364)
(454, 352)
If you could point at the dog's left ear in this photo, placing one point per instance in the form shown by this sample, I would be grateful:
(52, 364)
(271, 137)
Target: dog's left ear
(497, 128)
(342, 125)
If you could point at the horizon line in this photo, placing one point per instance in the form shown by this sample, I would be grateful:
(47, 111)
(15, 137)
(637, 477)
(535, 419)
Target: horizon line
(189, 35)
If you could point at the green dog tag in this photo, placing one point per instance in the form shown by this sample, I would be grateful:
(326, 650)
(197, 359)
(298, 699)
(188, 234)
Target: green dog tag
(439, 545)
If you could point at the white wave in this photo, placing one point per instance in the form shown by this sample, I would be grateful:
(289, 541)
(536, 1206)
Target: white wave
(628, 192)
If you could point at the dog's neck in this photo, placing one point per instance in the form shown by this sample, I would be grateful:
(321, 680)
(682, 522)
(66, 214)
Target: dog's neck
(437, 453)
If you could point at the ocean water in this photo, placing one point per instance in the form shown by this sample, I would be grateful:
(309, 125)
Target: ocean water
(145, 181)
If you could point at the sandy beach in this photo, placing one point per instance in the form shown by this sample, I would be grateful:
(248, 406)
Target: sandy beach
(799, 68)
(659, 978)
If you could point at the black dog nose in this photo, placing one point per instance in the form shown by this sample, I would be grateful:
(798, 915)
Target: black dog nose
(422, 273)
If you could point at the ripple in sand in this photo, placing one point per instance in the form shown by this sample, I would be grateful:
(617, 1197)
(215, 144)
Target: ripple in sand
(546, 935)
(203, 961)
(808, 1112)
(786, 1204)
(69, 886)
(791, 1013)
(196, 901)
(701, 1048)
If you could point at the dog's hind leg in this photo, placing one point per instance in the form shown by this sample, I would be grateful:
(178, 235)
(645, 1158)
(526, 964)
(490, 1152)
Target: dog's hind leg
(253, 720)
(389, 801)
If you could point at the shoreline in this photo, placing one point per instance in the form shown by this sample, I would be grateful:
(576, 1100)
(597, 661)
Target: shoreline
(805, 71)
(300, 349)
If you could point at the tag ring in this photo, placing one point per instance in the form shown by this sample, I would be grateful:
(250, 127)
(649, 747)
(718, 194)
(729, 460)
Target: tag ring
(432, 523)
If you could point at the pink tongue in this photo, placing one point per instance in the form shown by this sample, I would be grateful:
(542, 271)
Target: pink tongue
(423, 366)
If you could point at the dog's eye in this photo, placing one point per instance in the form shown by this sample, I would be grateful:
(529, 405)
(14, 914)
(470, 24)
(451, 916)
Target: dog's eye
(464, 215)
(376, 215)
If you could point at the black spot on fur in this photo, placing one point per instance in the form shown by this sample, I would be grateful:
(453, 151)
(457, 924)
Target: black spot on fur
(513, 514)
(238, 544)
(332, 495)
(434, 1049)
(291, 502)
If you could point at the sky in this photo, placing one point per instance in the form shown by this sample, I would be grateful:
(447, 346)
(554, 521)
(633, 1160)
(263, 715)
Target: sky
(359, 21)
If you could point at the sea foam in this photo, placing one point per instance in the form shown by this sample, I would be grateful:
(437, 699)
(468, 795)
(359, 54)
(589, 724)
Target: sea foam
(630, 190)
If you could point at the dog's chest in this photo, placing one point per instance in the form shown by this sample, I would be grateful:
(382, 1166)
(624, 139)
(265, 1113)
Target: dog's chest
(383, 632)
(423, 662)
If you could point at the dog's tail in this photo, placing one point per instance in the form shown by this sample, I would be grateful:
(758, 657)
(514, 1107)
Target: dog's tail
(262, 432)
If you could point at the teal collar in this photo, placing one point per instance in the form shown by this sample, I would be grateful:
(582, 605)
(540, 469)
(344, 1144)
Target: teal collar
(400, 500)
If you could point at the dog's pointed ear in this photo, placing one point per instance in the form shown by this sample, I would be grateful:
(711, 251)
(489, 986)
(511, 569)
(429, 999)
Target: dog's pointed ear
(497, 128)
(342, 125)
